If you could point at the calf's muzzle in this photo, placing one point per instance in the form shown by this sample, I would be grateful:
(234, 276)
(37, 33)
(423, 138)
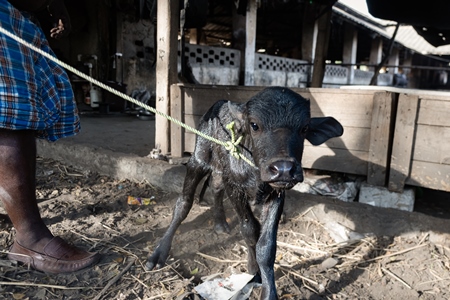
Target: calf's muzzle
(282, 173)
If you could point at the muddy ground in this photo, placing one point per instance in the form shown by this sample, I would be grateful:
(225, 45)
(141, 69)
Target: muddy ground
(327, 249)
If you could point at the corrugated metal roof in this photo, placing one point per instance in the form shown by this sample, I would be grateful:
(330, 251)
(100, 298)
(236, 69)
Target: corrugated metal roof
(354, 17)
(406, 34)
(409, 38)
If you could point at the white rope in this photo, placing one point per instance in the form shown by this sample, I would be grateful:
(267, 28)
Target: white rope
(230, 145)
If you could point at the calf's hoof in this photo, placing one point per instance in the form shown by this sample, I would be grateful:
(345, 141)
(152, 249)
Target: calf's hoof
(222, 228)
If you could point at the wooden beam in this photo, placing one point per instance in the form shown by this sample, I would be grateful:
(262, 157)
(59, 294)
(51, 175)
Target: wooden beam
(405, 125)
(309, 33)
(250, 42)
(323, 37)
(380, 138)
(376, 52)
(238, 41)
(118, 57)
(166, 67)
(350, 48)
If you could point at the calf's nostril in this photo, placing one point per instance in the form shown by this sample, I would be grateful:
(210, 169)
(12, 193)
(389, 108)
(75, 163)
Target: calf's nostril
(282, 169)
(273, 169)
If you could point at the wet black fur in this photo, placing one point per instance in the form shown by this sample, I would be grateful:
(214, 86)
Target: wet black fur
(274, 124)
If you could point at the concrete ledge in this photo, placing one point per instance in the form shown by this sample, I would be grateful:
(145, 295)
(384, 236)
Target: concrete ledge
(382, 197)
(118, 165)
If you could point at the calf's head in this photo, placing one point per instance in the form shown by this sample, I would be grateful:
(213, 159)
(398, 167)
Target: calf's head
(276, 122)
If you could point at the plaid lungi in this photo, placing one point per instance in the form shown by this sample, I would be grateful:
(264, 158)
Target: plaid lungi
(35, 93)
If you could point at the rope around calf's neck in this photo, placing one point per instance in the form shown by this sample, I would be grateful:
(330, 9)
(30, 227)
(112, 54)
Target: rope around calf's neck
(231, 146)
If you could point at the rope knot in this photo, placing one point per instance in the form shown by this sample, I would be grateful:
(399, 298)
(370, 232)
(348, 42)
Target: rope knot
(232, 146)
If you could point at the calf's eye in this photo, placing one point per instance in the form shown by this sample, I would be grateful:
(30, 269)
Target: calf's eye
(305, 129)
(254, 126)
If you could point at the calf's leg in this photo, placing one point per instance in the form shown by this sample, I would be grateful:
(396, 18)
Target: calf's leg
(220, 221)
(194, 175)
(267, 244)
(249, 227)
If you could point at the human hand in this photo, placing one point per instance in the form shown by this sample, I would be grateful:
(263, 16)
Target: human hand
(61, 19)
(58, 31)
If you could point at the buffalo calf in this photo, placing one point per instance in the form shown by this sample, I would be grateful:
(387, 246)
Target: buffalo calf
(273, 125)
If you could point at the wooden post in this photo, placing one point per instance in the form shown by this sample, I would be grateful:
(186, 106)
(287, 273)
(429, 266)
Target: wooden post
(376, 52)
(323, 38)
(119, 48)
(393, 61)
(381, 137)
(405, 125)
(238, 41)
(166, 67)
(250, 43)
(177, 112)
(309, 33)
(309, 37)
(350, 48)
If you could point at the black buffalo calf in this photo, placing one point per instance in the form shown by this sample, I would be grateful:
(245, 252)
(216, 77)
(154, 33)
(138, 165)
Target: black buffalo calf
(273, 125)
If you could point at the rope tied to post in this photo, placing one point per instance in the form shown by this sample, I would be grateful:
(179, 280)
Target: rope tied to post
(231, 146)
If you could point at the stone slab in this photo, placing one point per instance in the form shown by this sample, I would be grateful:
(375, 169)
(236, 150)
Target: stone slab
(382, 197)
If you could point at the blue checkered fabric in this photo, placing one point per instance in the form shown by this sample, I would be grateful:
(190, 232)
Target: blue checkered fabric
(35, 93)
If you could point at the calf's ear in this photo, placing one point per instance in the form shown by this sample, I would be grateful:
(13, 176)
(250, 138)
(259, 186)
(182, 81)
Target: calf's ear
(237, 114)
(236, 110)
(322, 129)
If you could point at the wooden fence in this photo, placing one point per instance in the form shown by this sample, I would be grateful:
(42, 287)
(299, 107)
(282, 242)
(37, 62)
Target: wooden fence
(367, 117)
(421, 145)
(393, 136)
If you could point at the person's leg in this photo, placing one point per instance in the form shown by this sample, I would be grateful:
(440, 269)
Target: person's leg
(34, 243)
(17, 187)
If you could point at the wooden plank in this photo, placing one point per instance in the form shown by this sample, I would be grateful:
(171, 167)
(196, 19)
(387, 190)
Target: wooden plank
(380, 138)
(192, 121)
(352, 110)
(432, 144)
(403, 141)
(357, 139)
(434, 112)
(177, 112)
(353, 139)
(423, 94)
(430, 175)
(335, 160)
(199, 99)
(320, 158)
(166, 66)
(433, 95)
(189, 142)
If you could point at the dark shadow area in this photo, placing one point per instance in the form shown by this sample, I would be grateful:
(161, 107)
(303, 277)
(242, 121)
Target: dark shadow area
(432, 202)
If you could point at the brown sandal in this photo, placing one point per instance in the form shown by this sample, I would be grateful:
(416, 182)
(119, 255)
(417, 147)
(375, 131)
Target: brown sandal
(57, 257)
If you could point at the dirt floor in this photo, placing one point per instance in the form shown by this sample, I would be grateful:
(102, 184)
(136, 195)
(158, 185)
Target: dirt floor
(327, 249)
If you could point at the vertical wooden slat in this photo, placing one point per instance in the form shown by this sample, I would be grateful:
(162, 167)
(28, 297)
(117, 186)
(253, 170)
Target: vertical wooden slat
(323, 37)
(166, 67)
(177, 112)
(403, 141)
(380, 138)
(250, 42)
(239, 40)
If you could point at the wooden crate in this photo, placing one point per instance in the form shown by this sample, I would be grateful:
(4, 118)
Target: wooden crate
(366, 115)
(421, 146)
